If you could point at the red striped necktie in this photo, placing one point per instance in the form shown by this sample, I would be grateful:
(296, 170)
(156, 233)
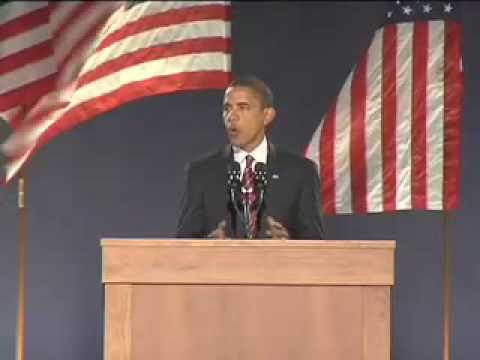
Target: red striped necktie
(249, 194)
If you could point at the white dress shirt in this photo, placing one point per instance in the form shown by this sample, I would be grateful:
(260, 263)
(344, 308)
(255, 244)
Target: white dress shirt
(258, 154)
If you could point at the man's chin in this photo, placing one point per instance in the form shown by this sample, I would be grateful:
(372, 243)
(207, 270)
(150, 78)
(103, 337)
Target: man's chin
(235, 142)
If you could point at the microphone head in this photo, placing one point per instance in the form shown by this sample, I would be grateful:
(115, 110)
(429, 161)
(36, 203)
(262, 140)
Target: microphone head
(261, 175)
(234, 186)
(233, 175)
(235, 166)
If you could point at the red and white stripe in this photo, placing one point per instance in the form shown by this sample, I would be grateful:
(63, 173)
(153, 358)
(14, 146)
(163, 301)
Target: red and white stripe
(26, 62)
(107, 55)
(391, 140)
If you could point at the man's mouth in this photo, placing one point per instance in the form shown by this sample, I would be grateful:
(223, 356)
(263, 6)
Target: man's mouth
(232, 131)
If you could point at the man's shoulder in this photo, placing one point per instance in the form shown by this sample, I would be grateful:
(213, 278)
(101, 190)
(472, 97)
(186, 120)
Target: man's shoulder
(206, 161)
(296, 161)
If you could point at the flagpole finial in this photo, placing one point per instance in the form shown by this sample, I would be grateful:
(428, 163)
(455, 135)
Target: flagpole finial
(21, 193)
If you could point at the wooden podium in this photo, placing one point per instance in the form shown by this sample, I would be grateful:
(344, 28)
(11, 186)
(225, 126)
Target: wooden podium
(239, 299)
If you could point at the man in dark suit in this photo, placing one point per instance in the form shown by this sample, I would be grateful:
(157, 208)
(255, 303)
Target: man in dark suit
(291, 203)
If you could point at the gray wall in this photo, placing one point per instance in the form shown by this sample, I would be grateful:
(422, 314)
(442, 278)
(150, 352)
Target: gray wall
(122, 176)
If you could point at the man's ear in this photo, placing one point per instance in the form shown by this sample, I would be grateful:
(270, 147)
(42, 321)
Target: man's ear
(269, 115)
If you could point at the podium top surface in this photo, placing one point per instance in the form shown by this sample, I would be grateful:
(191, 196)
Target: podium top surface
(286, 262)
(161, 242)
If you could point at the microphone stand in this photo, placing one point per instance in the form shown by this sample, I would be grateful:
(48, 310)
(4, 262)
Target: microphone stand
(260, 187)
(247, 216)
(235, 188)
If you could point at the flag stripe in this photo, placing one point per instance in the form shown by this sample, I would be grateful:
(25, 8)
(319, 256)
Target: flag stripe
(165, 51)
(72, 47)
(343, 183)
(357, 151)
(164, 20)
(373, 127)
(313, 149)
(63, 121)
(389, 120)
(37, 124)
(453, 114)
(34, 89)
(109, 89)
(29, 55)
(15, 9)
(326, 147)
(158, 67)
(435, 116)
(24, 40)
(24, 23)
(60, 11)
(17, 116)
(397, 119)
(157, 37)
(22, 77)
(164, 68)
(142, 9)
(151, 39)
(145, 58)
(78, 13)
(10, 114)
(420, 49)
(404, 88)
(76, 30)
(184, 81)
(72, 61)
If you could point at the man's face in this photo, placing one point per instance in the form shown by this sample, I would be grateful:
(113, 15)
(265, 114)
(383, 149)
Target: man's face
(245, 117)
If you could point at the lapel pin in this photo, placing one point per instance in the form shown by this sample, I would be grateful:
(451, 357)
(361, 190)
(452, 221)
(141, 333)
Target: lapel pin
(275, 176)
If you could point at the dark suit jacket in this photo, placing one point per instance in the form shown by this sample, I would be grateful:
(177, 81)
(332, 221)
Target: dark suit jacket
(291, 196)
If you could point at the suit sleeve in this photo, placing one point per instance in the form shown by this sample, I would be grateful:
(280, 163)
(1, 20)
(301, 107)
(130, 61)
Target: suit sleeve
(191, 221)
(309, 222)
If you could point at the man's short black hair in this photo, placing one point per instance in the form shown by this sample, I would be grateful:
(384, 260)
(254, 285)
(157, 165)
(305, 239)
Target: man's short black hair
(257, 85)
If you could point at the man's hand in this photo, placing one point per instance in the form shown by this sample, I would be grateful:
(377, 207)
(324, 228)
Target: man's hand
(276, 230)
(219, 232)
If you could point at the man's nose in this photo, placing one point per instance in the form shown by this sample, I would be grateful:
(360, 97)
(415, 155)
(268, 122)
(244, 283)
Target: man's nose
(232, 115)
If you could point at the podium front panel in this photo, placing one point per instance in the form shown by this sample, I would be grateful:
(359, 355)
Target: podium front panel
(247, 319)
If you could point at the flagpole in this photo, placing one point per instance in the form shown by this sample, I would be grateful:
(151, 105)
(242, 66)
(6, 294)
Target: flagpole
(447, 286)
(22, 197)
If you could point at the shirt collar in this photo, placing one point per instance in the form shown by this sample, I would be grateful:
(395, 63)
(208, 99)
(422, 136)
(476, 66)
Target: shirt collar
(259, 153)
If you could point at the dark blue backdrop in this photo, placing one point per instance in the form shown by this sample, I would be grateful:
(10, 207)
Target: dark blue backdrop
(122, 176)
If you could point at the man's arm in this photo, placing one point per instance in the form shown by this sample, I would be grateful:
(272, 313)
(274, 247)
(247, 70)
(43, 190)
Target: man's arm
(191, 221)
(309, 221)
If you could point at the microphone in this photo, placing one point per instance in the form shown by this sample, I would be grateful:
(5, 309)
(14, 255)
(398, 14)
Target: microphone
(234, 189)
(240, 204)
(260, 181)
(234, 183)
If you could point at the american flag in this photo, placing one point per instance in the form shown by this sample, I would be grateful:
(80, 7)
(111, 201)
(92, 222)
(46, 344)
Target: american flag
(391, 139)
(63, 63)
